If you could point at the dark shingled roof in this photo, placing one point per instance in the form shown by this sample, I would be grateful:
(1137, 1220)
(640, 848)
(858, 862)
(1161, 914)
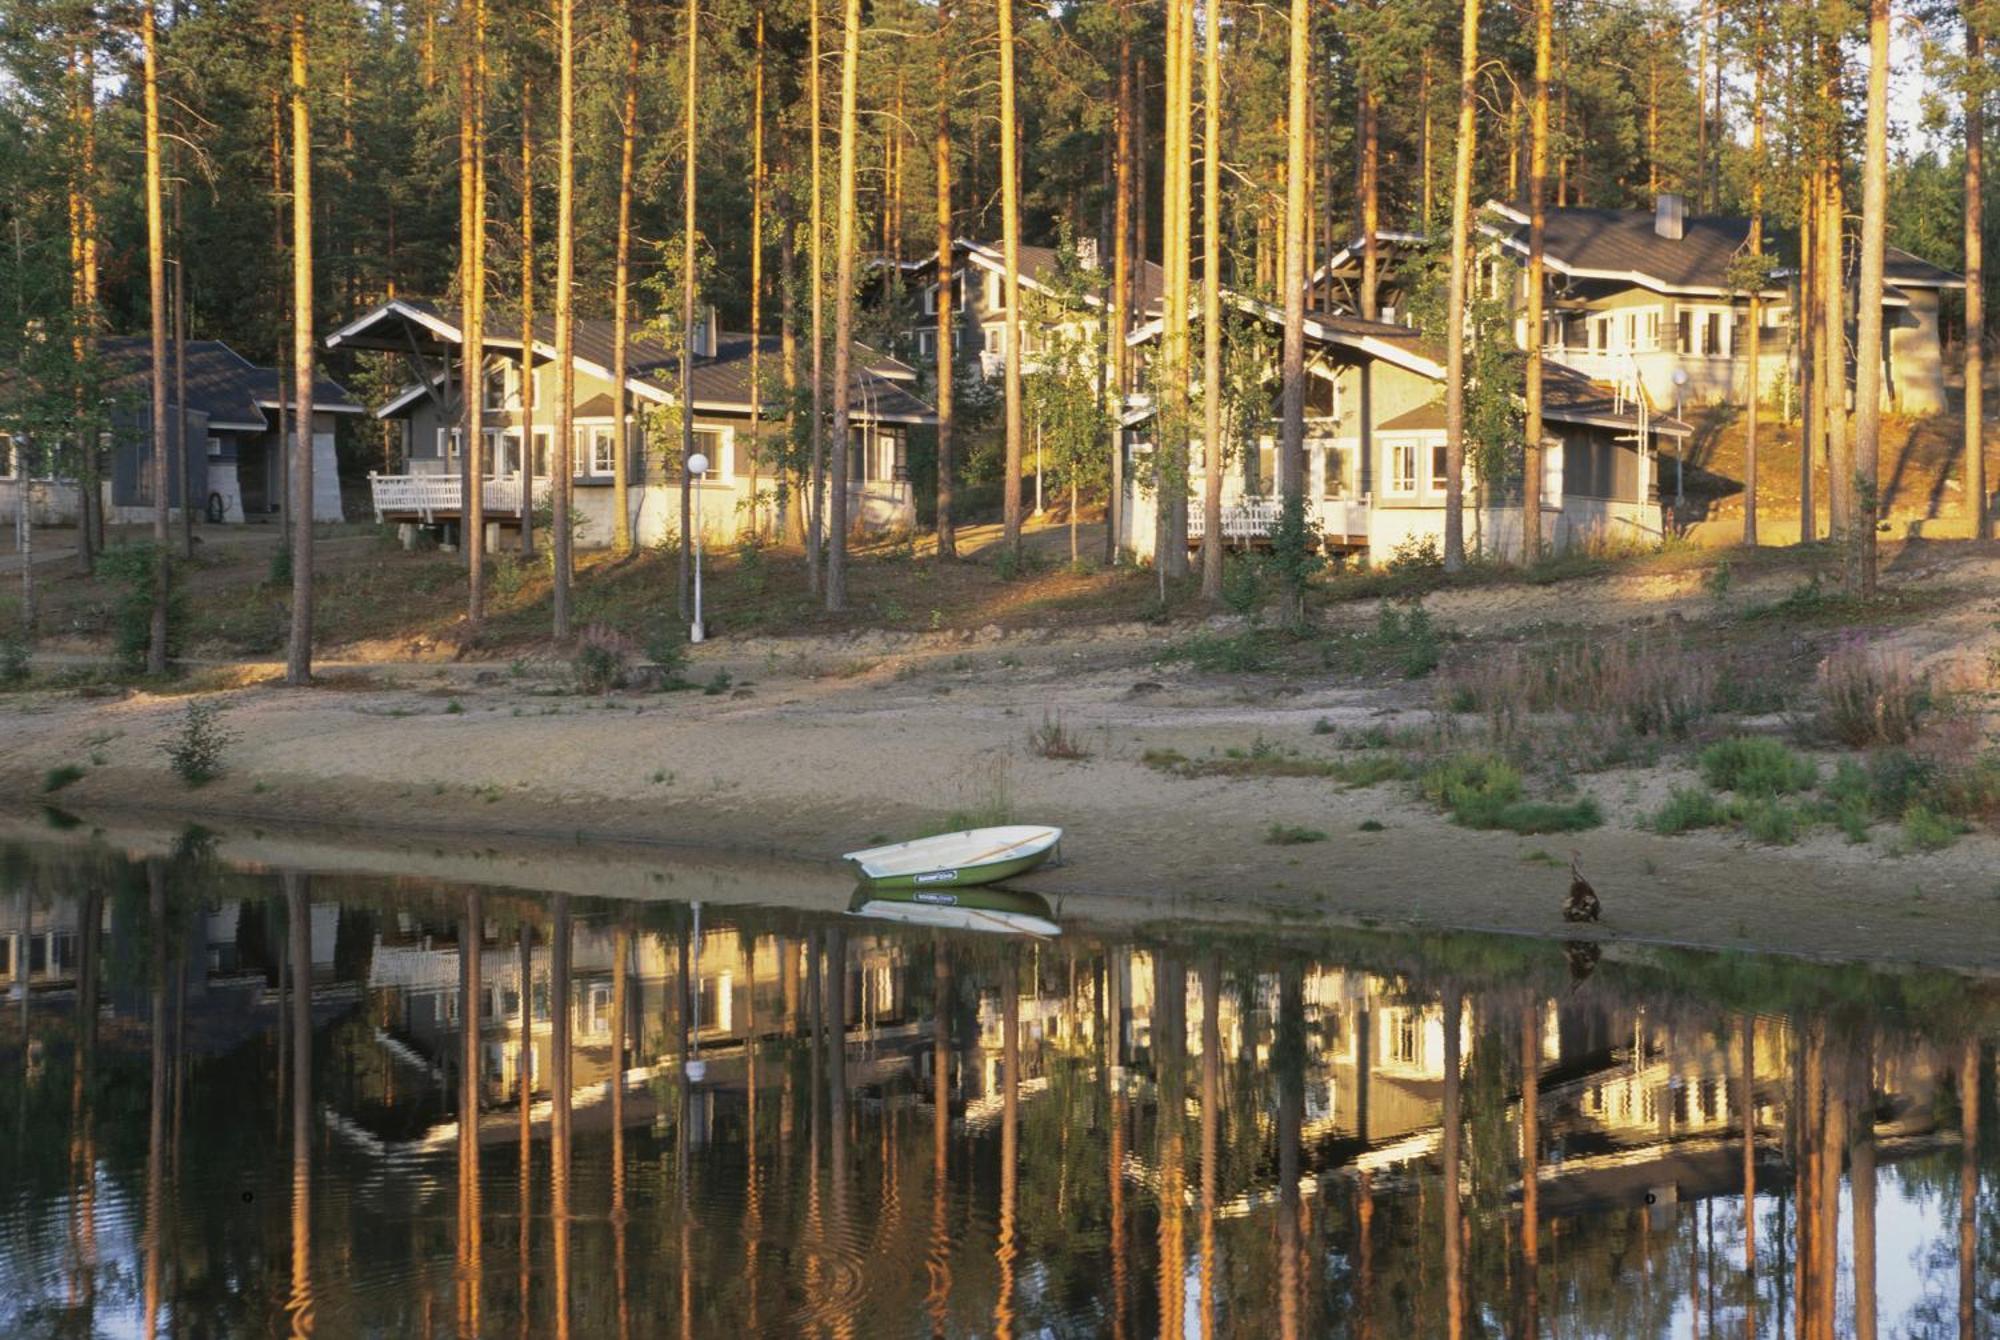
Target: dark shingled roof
(721, 382)
(221, 383)
(1039, 265)
(1624, 241)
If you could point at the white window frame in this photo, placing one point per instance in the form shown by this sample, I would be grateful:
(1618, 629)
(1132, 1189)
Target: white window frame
(930, 299)
(721, 452)
(995, 340)
(449, 441)
(996, 292)
(927, 344)
(1339, 455)
(1439, 476)
(1403, 478)
(589, 435)
(509, 375)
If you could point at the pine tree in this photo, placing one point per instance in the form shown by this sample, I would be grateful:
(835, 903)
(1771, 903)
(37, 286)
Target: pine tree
(947, 534)
(298, 658)
(527, 316)
(1538, 180)
(843, 310)
(565, 314)
(1461, 223)
(1868, 341)
(621, 300)
(472, 279)
(156, 282)
(1211, 301)
(1292, 387)
(1010, 232)
(1977, 77)
(690, 117)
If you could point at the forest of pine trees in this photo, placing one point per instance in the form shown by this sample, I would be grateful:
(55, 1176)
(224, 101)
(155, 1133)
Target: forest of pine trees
(293, 165)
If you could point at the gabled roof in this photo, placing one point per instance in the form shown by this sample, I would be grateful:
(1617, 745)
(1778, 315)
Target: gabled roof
(1624, 245)
(1568, 396)
(1038, 269)
(1398, 345)
(231, 390)
(721, 382)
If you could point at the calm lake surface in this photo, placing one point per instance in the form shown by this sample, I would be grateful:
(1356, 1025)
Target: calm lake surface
(258, 1103)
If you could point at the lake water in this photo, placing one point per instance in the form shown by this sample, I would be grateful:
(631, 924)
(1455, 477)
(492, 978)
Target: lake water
(242, 1109)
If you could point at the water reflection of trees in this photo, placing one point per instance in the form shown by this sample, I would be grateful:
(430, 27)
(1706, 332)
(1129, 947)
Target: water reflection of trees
(974, 1134)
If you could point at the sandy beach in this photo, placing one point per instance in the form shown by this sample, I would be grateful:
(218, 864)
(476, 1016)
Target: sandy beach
(823, 744)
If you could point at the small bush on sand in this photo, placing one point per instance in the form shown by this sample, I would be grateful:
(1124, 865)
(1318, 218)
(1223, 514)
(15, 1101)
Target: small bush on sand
(195, 752)
(1652, 687)
(1689, 808)
(56, 778)
(1245, 653)
(1756, 765)
(1870, 697)
(13, 660)
(1053, 739)
(1772, 821)
(1483, 791)
(1291, 835)
(129, 569)
(1925, 829)
(603, 655)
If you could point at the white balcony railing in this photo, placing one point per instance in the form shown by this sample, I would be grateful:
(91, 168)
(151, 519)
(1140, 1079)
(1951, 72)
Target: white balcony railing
(431, 496)
(1246, 520)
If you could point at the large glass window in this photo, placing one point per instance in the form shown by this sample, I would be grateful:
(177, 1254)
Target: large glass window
(599, 449)
(1403, 468)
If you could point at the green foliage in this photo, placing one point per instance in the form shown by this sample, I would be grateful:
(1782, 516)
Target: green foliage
(1772, 821)
(1054, 739)
(1243, 584)
(1412, 637)
(1416, 554)
(603, 657)
(129, 570)
(281, 566)
(1212, 653)
(666, 648)
(718, 684)
(1485, 791)
(1925, 829)
(14, 665)
(1291, 835)
(1870, 697)
(63, 774)
(1756, 765)
(1688, 808)
(195, 752)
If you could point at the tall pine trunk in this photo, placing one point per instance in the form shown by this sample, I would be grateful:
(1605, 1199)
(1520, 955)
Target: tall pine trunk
(1211, 297)
(843, 306)
(298, 658)
(1461, 222)
(689, 115)
(947, 531)
(1753, 404)
(527, 462)
(816, 276)
(621, 299)
(83, 252)
(156, 278)
(757, 280)
(1833, 337)
(1292, 385)
(1010, 233)
(1975, 271)
(1868, 335)
(472, 200)
(565, 315)
(1121, 281)
(1538, 190)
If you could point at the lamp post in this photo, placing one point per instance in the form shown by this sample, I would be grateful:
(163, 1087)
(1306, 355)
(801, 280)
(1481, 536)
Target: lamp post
(697, 465)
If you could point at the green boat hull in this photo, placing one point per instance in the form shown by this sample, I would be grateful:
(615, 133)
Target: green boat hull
(961, 879)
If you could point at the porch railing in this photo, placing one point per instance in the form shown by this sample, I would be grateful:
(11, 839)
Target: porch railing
(1246, 520)
(429, 496)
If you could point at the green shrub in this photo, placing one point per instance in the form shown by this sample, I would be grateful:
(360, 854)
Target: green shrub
(1291, 835)
(281, 565)
(1243, 584)
(718, 684)
(1926, 829)
(1756, 765)
(13, 660)
(509, 576)
(1771, 821)
(1412, 636)
(1416, 553)
(603, 654)
(56, 778)
(195, 753)
(1373, 826)
(666, 647)
(129, 569)
(1688, 808)
(1483, 791)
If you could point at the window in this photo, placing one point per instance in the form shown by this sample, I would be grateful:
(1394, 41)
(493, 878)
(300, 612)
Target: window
(930, 299)
(927, 343)
(1403, 1039)
(996, 340)
(1711, 325)
(1403, 468)
(1439, 474)
(996, 292)
(1601, 340)
(857, 455)
(1653, 329)
(1334, 481)
(597, 450)
(448, 442)
(713, 443)
(543, 441)
(7, 464)
(1684, 331)
(214, 448)
(496, 385)
(499, 462)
